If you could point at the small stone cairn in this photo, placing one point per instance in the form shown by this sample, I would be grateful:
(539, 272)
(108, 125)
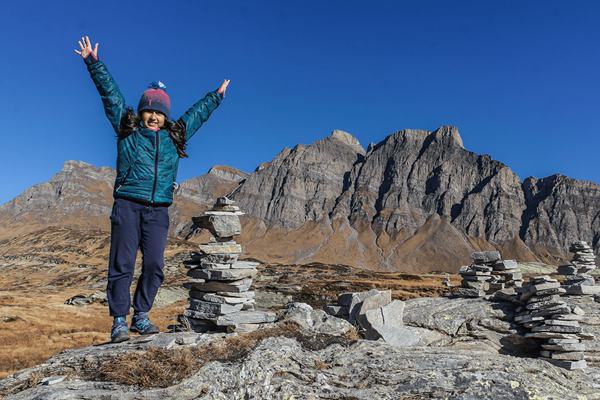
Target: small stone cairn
(219, 284)
(553, 321)
(489, 274)
(578, 281)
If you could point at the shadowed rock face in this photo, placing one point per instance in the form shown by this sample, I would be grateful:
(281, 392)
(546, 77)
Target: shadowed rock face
(301, 184)
(414, 174)
(560, 211)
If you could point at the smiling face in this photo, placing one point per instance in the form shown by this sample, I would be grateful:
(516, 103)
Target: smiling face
(153, 119)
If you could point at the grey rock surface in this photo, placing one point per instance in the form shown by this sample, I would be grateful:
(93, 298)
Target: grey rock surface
(280, 368)
(458, 355)
(317, 321)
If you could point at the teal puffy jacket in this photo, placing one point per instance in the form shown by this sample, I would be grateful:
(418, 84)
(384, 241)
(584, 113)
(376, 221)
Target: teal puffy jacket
(147, 161)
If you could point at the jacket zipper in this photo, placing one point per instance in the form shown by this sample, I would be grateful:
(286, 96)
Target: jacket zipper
(155, 169)
(123, 180)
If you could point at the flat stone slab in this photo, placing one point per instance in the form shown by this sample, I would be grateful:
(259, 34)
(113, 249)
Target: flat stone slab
(549, 335)
(552, 291)
(561, 329)
(505, 265)
(567, 269)
(214, 308)
(533, 289)
(537, 299)
(336, 310)
(466, 292)
(539, 305)
(224, 286)
(583, 290)
(217, 248)
(215, 258)
(558, 322)
(563, 341)
(569, 365)
(214, 298)
(249, 294)
(477, 278)
(565, 347)
(246, 317)
(222, 274)
(398, 336)
(245, 265)
(563, 355)
(475, 285)
(485, 256)
(511, 276)
(482, 268)
(212, 265)
(528, 318)
(567, 317)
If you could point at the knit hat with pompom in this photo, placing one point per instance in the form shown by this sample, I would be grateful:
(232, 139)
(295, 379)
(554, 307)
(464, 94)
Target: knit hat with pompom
(156, 98)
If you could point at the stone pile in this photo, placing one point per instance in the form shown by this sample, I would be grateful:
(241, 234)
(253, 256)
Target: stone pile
(219, 284)
(554, 322)
(578, 280)
(377, 315)
(488, 274)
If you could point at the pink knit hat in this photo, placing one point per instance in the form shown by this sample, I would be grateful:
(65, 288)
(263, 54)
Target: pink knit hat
(156, 98)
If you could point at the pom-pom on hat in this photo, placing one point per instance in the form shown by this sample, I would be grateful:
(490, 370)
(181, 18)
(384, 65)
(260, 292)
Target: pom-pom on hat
(156, 98)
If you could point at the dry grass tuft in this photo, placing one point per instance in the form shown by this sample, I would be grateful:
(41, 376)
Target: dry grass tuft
(163, 368)
(236, 348)
(154, 367)
(353, 334)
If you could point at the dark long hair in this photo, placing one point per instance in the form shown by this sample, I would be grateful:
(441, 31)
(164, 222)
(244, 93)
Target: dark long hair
(130, 122)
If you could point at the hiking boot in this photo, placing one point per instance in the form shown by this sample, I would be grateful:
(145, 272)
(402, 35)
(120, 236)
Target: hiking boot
(142, 325)
(119, 332)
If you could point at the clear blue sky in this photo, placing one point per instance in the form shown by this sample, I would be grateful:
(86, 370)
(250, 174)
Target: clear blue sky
(518, 78)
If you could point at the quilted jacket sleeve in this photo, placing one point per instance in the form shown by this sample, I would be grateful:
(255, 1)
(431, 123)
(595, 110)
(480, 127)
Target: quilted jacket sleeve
(112, 99)
(199, 113)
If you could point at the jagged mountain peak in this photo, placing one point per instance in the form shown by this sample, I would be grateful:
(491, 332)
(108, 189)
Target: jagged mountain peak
(348, 139)
(416, 201)
(82, 168)
(228, 173)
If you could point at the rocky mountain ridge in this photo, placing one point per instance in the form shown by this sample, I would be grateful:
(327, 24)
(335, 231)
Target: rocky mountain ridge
(418, 201)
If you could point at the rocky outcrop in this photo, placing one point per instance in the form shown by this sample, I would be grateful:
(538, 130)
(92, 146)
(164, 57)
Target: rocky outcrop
(473, 359)
(302, 184)
(79, 196)
(560, 211)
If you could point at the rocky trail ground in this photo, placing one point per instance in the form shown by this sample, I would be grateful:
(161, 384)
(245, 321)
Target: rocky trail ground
(472, 350)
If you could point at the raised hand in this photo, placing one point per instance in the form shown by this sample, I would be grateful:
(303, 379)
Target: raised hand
(223, 87)
(86, 48)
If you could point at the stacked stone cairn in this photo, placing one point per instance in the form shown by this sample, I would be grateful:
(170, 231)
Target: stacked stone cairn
(554, 322)
(578, 281)
(489, 274)
(219, 284)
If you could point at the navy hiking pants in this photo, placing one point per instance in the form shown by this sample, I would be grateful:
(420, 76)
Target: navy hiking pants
(135, 226)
